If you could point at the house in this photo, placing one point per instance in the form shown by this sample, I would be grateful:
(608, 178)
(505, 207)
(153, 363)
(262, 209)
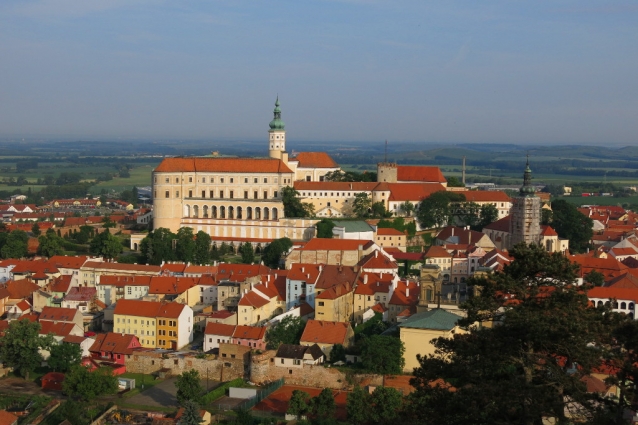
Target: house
(330, 276)
(379, 261)
(91, 271)
(112, 288)
(262, 302)
(404, 300)
(83, 342)
(335, 304)
(373, 289)
(420, 329)
(622, 300)
(81, 298)
(174, 325)
(345, 252)
(391, 238)
(297, 281)
(62, 315)
(19, 291)
(113, 347)
(250, 336)
(18, 309)
(327, 334)
(217, 333)
(179, 289)
(297, 356)
(452, 235)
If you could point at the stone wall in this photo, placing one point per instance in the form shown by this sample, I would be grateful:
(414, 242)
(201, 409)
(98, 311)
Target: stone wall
(263, 370)
(218, 369)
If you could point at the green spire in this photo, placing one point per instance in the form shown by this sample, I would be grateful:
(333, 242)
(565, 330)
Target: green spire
(527, 189)
(277, 123)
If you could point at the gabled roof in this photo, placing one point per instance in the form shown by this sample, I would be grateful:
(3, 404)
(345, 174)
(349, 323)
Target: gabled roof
(502, 225)
(34, 267)
(219, 329)
(4, 293)
(399, 296)
(377, 260)
(613, 293)
(388, 231)
(58, 314)
(201, 270)
(251, 299)
(56, 328)
(81, 293)
(289, 351)
(22, 288)
(485, 196)
(24, 305)
(437, 251)
(375, 282)
(324, 332)
(336, 291)
(125, 280)
(61, 283)
(171, 285)
(174, 267)
(250, 332)
(400, 192)
(121, 266)
(114, 343)
(304, 272)
(461, 236)
(332, 275)
(419, 173)
(315, 160)
(7, 418)
(137, 308)
(170, 310)
(68, 262)
(437, 319)
(548, 231)
(223, 165)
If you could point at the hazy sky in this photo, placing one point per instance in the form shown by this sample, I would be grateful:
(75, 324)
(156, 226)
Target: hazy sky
(432, 71)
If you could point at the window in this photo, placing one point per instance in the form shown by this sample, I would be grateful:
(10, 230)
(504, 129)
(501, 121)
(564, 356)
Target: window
(221, 180)
(275, 194)
(176, 179)
(265, 180)
(232, 180)
(167, 194)
(190, 179)
(282, 361)
(166, 180)
(190, 193)
(297, 362)
(255, 195)
(231, 193)
(321, 303)
(203, 193)
(245, 179)
(177, 194)
(255, 180)
(203, 179)
(245, 194)
(221, 193)
(265, 194)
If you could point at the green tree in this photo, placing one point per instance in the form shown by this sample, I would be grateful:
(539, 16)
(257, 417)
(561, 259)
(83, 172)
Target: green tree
(571, 224)
(287, 331)
(338, 353)
(271, 255)
(385, 405)
(247, 253)
(15, 245)
(202, 248)
(524, 368)
(158, 246)
(64, 356)
(436, 210)
(382, 354)
(469, 213)
(357, 406)
(86, 385)
(292, 203)
(189, 387)
(453, 181)
(595, 278)
(185, 246)
(546, 216)
(361, 205)
(377, 210)
(407, 208)
(298, 404)
(107, 223)
(35, 229)
(324, 228)
(323, 405)
(106, 245)
(50, 245)
(488, 214)
(21, 345)
(191, 414)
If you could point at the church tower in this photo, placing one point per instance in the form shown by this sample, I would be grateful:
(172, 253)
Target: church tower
(277, 135)
(525, 223)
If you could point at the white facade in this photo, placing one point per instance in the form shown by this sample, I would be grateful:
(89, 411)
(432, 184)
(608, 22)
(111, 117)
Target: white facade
(185, 326)
(212, 341)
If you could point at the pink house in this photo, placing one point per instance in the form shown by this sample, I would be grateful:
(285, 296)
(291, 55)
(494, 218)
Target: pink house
(250, 336)
(113, 347)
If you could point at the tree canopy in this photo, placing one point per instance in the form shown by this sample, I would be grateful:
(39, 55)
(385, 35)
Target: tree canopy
(571, 224)
(438, 209)
(271, 254)
(287, 331)
(189, 387)
(106, 244)
(324, 228)
(15, 244)
(247, 253)
(21, 345)
(64, 356)
(202, 248)
(382, 354)
(293, 207)
(361, 205)
(86, 385)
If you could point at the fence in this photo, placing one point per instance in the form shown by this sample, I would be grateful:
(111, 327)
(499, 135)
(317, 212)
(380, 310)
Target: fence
(261, 394)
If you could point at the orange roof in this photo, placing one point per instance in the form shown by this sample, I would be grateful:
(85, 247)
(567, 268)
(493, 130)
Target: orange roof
(374, 283)
(121, 281)
(419, 173)
(376, 260)
(388, 231)
(502, 225)
(332, 275)
(609, 267)
(58, 314)
(223, 165)
(115, 343)
(623, 251)
(34, 267)
(626, 280)
(250, 332)
(67, 261)
(20, 288)
(81, 293)
(609, 292)
(174, 267)
(56, 328)
(202, 270)
(324, 332)
(399, 296)
(219, 329)
(548, 231)
(336, 291)
(170, 310)
(304, 272)
(171, 285)
(23, 305)
(412, 191)
(137, 308)
(121, 266)
(73, 339)
(485, 196)
(253, 300)
(7, 418)
(437, 251)
(321, 244)
(315, 160)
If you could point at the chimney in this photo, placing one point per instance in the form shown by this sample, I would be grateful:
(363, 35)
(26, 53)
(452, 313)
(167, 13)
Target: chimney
(452, 231)
(365, 279)
(376, 254)
(407, 292)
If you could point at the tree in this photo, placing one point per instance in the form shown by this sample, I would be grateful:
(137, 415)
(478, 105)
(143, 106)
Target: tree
(191, 414)
(107, 223)
(435, 210)
(189, 387)
(21, 345)
(64, 356)
(524, 368)
(15, 245)
(361, 205)
(185, 245)
(86, 385)
(358, 405)
(202, 248)
(50, 244)
(454, 182)
(378, 210)
(247, 253)
(271, 255)
(298, 404)
(35, 229)
(406, 208)
(158, 246)
(324, 228)
(546, 216)
(292, 203)
(106, 245)
(571, 224)
(382, 354)
(338, 353)
(323, 405)
(287, 331)
(488, 214)
(469, 213)
(595, 278)
(385, 405)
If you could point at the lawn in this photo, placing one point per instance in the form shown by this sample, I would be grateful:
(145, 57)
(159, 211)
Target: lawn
(148, 380)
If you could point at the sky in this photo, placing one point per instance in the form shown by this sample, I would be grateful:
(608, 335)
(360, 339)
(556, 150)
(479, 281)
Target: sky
(548, 72)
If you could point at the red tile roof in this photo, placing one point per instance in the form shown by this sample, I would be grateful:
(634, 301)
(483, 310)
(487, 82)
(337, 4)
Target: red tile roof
(223, 165)
(56, 328)
(321, 244)
(463, 236)
(315, 160)
(412, 191)
(502, 225)
(251, 299)
(7, 418)
(24, 305)
(609, 267)
(377, 260)
(623, 251)
(374, 283)
(485, 196)
(68, 262)
(304, 272)
(82, 293)
(121, 266)
(324, 332)
(20, 288)
(58, 314)
(388, 231)
(126, 280)
(171, 285)
(419, 173)
(137, 308)
(174, 267)
(332, 275)
(34, 267)
(399, 295)
(613, 293)
(171, 310)
(337, 291)
(548, 231)
(114, 343)
(219, 329)
(250, 332)
(201, 270)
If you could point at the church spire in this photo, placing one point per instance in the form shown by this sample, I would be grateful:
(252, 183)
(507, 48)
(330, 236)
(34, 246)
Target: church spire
(277, 123)
(527, 189)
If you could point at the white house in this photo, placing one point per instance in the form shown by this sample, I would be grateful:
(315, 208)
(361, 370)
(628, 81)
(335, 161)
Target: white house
(217, 333)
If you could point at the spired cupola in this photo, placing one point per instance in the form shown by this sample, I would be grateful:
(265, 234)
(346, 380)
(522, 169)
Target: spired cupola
(277, 134)
(527, 189)
(525, 215)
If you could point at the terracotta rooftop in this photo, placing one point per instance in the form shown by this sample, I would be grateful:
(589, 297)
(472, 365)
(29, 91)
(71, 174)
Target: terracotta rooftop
(114, 343)
(251, 299)
(412, 191)
(137, 308)
(388, 231)
(58, 314)
(315, 160)
(61, 283)
(68, 262)
(174, 267)
(250, 332)
(377, 260)
(171, 285)
(82, 293)
(304, 272)
(485, 196)
(321, 244)
(219, 329)
(121, 266)
(613, 293)
(332, 275)
(548, 231)
(20, 288)
(399, 296)
(222, 165)
(336, 291)
(419, 173)
(125, 280)
(324, 332)
(56, 328)
(502, 225)
(7, 418)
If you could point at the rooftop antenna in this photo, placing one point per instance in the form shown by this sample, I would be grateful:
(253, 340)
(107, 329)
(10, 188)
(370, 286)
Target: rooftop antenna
(386, 151)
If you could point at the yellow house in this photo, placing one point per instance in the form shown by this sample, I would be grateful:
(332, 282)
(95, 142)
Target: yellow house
(335, 304)
(261, 303)
(418, 331)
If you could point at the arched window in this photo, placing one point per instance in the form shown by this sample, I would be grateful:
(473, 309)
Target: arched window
(615, 304)
(205, 211)
(195, 211)
(222, 212)
(257, 213)
(623, 306)
(187, 210)
(213, 211)
(239, 213)
(631, 306)
(599, 304)
(249, 213)
(231, 213)
(275, 214)
(266, 213)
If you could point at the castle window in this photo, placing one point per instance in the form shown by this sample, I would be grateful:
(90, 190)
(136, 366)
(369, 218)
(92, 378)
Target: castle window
(221, 193)
(203, 193)
(190, 179)
(307, 178)
(212, 180)
(265, 194)
(221, 179)
(231, 194)
(232, 180)
(211, 194)
(275, 194)
(177, 194)
(166, 179)
(177, 180)
(245, 194)
(190, 193)
(255, 180)
(255, 195)
(265, 180)
(245, 179)
(203, 179)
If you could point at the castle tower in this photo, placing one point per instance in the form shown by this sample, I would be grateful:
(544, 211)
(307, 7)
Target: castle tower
(525, 223)
(277, 134)
(387, 172)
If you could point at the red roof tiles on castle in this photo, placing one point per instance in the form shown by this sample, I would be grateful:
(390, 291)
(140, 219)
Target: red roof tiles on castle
(419, 173)
(223, 165)
(412, 191)
(315, 160)
(485, 196)
(321, 244)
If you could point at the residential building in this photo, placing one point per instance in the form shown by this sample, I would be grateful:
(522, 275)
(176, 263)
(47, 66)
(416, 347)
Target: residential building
(91, 271)
(297, 281)
(326, 334)
(250, 336)
(344, 252)
(62, 315)
(335, 304)
(391, 238)
(114, 347)
(297, 356)
(174, 325)
(217, 333)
